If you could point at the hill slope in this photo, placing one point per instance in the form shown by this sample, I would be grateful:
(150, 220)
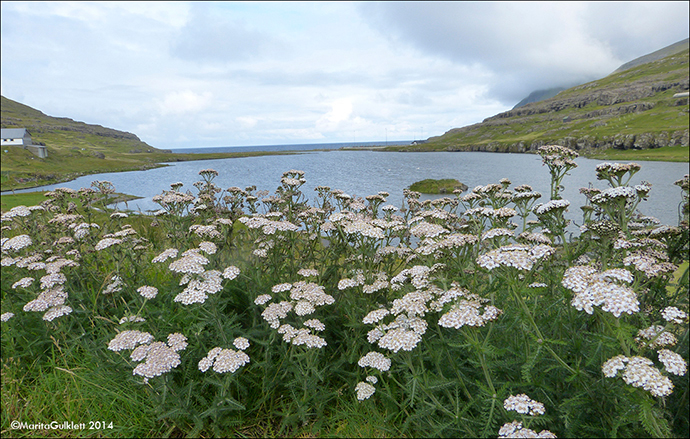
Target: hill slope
(659, 54)
(634, 108)
(77, 148)
(62, 133)
(74, 148)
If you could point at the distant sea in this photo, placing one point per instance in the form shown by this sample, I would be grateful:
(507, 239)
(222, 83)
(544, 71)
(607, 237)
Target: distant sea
(294, 147)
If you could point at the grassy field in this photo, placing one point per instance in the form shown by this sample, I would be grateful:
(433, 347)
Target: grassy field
(666, 154)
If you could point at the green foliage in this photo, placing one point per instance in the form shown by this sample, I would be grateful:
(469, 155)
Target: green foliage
(443, 186)
(274, 316)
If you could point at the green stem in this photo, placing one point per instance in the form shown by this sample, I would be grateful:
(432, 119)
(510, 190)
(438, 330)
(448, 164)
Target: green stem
(525, 308)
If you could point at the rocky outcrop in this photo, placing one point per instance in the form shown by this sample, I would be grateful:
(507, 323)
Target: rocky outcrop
(96, 130)
(609, 97)
(587, 142)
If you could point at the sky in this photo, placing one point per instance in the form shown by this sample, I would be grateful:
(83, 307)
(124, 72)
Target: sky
(206, 74)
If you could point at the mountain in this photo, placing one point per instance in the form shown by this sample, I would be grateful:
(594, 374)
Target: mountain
(540, 95)
(659, 54)
(633, 108)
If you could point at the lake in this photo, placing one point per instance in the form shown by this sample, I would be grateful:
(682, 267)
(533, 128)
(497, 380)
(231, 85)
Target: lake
(365, 173)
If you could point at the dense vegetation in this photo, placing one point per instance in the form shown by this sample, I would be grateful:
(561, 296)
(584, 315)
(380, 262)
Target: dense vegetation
(234, 312)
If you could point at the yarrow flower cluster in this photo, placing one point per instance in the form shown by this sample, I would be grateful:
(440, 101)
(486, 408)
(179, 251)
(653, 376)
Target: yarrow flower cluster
(231, 272)
(16, 243)
(467, 312)
(116, 284)
(553, 205)
(640, 372)
(674, 315)
(613, 172)
(147, 292)
(267, 226)
(6, 316)
(56, 311)
(515, 430)
(158, 357)
(376, 360)
(107, 242)
(364, 390)
(557, 156)
(593, 288)
(524, 405)
(223, 360)
(305, 298)
(655, 336)
(129, 340)
(521, 257)
(199, 286)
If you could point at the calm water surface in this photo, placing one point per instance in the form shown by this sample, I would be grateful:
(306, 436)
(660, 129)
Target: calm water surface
(365, 173)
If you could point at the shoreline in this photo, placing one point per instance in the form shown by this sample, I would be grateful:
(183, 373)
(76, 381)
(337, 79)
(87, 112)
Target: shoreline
(608, 155)
(186, 157)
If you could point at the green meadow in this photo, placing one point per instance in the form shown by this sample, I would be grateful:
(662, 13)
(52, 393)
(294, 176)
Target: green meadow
(249, 313)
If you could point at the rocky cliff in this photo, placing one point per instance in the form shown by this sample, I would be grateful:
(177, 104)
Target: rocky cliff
(633, 108)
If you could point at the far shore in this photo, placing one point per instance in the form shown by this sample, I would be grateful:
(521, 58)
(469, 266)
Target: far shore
(667, 154)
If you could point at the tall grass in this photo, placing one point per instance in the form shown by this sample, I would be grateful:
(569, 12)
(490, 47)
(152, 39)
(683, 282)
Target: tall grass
(242, 312)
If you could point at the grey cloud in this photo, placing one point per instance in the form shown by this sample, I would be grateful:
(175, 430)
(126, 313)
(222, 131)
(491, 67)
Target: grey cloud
(638, 28)
(210, 37)
(530, 46)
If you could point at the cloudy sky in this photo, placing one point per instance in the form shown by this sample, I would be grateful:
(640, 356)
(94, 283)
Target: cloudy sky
(194, 74)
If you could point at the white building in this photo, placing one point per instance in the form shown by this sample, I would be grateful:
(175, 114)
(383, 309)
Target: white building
(22, 137)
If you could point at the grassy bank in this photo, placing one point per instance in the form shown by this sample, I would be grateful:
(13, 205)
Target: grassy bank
(678, 154)
(9, 200)
(665, 154)
(21, 169)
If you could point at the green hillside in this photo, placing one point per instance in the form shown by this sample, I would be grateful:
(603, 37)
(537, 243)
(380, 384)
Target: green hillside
(633, 109)
(75, 149)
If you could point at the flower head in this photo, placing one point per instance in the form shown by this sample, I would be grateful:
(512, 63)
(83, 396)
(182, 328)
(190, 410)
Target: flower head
(524, 405)
(376, 360)
(147, 292)
(241, 343)
(364, 390)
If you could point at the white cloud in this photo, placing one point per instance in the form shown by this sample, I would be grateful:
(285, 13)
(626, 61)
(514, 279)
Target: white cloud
(183, 74)
(182, 102)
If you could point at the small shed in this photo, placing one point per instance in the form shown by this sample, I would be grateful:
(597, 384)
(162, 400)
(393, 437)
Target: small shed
(22, 137)
(16, 136)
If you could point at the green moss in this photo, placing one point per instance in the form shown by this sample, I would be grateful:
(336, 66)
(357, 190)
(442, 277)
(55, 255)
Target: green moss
(443, 186)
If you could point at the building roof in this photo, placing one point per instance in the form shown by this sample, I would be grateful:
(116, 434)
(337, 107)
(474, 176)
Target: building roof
(13, 133)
